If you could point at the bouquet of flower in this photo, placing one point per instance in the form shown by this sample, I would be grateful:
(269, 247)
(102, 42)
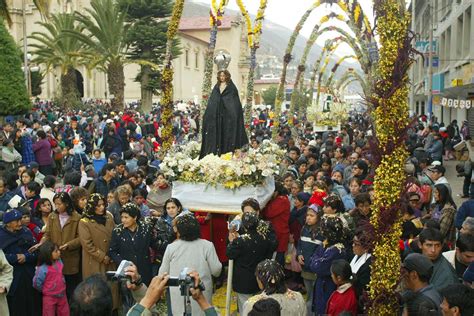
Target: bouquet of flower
(230, 170)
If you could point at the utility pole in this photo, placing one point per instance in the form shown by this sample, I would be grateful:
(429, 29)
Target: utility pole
(430, 66)
(413, 28)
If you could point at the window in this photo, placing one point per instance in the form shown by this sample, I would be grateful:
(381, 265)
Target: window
(186, 58)
(196, 60)
(467, 33)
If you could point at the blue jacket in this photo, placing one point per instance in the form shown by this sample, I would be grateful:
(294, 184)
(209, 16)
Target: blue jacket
(436, 150)
(27, 154)
(78, 160)
(99, 164)
(310, 240)
(320, 264)
(102, 187)
(18, 243)
(4, 199)
(465, 210)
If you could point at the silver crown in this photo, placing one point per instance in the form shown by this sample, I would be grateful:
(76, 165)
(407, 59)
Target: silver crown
(222, 60)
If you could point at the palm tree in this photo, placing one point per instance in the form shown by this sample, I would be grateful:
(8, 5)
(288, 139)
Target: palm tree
(55, 49)
(105, 34)
(41, 5)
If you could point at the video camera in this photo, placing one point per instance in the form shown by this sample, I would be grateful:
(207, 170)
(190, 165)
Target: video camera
(235, 225)
(185, 282)
(119, 275)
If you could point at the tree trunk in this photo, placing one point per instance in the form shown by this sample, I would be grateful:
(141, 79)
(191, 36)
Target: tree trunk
(116, 82)
(146, 92)
(69, 92)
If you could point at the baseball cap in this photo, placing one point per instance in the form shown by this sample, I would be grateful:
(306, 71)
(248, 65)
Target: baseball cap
(32, 165)
(11, 215)
(419, 263)
(437, 168)
(313, 143)
(108, 121)
(303, 197)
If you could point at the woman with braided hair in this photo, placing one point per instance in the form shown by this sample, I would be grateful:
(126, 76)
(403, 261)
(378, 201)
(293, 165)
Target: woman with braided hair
(95, 232)
(247, 250)
(271, 280)
(334, 234)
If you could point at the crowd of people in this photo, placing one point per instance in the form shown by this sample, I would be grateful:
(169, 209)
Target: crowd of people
(81, 192)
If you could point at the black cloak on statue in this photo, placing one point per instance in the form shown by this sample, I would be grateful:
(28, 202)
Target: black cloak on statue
(223, 127)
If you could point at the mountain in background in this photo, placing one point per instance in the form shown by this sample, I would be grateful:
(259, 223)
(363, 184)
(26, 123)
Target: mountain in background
(273, 40)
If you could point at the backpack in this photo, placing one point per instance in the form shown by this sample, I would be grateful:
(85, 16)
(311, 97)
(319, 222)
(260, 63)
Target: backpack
(53, 142)
(426, 191)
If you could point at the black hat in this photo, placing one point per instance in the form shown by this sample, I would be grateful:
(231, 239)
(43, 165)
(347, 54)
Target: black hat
(419, 263)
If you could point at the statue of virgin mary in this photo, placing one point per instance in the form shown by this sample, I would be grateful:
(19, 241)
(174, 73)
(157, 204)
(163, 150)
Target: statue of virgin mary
(223, 127)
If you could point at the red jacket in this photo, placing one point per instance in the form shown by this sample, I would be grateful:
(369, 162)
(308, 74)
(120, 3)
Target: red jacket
(342, 300)
(277, 212)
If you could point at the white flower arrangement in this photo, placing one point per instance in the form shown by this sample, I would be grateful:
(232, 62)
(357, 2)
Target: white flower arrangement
(230, 170)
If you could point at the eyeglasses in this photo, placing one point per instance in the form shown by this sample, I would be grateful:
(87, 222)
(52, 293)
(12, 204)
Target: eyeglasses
(417, 200)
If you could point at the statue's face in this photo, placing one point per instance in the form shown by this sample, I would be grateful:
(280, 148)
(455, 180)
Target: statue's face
(222, 77)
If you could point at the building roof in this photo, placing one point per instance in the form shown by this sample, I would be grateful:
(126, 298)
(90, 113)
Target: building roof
(267, 81)
(194, 38)
(202, 23)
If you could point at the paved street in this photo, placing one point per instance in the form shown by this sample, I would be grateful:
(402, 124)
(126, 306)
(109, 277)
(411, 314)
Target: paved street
(454, 181)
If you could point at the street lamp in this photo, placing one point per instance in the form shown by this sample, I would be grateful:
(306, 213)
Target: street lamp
(27, 70)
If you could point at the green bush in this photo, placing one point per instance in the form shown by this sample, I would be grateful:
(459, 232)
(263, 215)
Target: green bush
(13, 94)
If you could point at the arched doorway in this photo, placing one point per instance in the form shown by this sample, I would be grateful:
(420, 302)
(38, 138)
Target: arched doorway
(79, 83)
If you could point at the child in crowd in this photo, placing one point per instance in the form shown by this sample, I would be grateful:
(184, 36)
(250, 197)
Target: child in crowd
(343, 299)
(139, 199)
(333, 249)
(26, 221)
(310, 240)
(50, 281)
(98, 161)
(354, 189)
(319, 193)
(32, 194)
(309, 179)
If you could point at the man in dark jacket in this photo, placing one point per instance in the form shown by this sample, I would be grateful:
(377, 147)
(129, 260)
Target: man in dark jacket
(106, 182)
(436, 148)
(431, 244)
(421, 297)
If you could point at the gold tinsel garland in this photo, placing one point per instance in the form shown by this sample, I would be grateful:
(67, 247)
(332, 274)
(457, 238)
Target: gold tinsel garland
(391, 116)
(253, 39)
(167, 106)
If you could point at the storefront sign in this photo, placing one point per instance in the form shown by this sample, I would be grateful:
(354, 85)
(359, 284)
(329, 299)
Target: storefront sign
(455, 103)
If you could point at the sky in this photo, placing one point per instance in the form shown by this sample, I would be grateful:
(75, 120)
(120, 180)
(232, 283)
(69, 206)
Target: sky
(288, 13)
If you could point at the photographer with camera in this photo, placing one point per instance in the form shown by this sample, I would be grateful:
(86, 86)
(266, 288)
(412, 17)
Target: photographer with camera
(189, 250)
(148, 297)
